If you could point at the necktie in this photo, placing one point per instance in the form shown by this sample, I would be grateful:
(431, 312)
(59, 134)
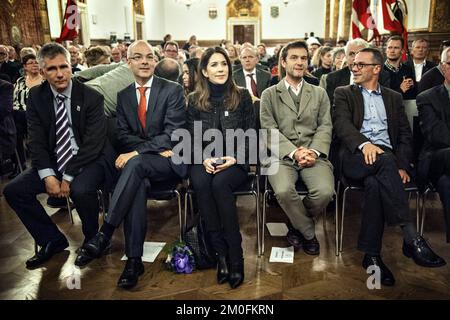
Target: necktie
(253, 84)
(142, 108)
(63, 145)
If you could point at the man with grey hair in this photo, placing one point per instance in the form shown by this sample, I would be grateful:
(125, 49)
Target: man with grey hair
(434, 160)
(70, 155)
(434, 76)
(148, 111)
(255, 80)
(5, 66)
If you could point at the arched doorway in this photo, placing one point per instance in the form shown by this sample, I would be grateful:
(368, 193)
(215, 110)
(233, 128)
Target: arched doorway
(244, 21)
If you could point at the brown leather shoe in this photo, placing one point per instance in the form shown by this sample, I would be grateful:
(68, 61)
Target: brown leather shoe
(312, 246)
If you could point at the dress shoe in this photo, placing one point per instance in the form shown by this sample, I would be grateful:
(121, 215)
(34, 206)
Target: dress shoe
(236, 274)
(295, 238)
(57, 203)
(222, 269)
(83, 257)
(421, 253)
(311, 247)
(386, 276)
(130, 275)
(46, 252)
(98, 245)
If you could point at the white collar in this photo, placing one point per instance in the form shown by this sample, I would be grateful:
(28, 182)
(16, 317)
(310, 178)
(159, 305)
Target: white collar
(297, 89)
(148, 84)
(253, 72)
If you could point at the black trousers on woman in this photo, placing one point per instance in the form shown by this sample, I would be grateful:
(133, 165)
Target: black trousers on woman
(217, 206)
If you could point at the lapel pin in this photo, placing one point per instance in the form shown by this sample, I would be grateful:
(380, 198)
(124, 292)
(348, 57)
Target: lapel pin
(78, 108)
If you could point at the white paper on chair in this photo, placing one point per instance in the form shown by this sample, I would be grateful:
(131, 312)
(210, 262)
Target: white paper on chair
(277, 229)
(151, 251)
(285, 255)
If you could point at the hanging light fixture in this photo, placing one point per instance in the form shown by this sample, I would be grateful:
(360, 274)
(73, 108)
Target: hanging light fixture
(187, 3)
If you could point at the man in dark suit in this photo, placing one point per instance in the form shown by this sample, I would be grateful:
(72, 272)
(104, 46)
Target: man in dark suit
(255, 80)
(7, 127)
(144, 135)
(434, 76)
(70, 155)
(434, 115)
(6, 67)
(376, 151)
(418, 62)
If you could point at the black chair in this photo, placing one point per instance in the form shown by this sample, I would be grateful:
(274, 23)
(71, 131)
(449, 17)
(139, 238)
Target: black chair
(249, 188)
(350, 185)
(301, 190)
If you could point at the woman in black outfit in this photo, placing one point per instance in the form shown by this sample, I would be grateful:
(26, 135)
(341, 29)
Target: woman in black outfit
(217, 103)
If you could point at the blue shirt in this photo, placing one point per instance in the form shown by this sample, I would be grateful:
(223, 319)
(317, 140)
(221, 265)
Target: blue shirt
(67, 102)
(375, 126)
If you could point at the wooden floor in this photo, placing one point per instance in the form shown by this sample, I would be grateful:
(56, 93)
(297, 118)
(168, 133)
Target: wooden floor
(322, 277)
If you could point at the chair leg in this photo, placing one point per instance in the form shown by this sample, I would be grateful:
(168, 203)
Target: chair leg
(417, 210)
(185, 210)
(342, 219)
(69, 208)
(258, 222)
(19, 163)
(180, 214)
(101, 199)
(336, 220)
(263, 224)
(424, 211)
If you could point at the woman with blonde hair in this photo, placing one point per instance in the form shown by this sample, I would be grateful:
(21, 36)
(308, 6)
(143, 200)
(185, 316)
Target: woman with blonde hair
(324, 61)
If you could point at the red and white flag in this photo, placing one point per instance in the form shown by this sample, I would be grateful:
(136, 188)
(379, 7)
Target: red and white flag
(362, 19)
(394, 16)
(70, 23)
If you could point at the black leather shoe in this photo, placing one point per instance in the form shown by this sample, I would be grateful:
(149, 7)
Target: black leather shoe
(130, 275)
(46, 252)
(421, 253)
(83, 258)
(98, 245)
(311, 247)
(57, 203)
(236, 274)
(295, 238)
(386, 276)
(222, 269)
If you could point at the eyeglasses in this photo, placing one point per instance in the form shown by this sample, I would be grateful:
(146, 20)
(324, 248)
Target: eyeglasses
(31, 62)
(2, 54)
(173, 51)
(359, 66)
(142, 58)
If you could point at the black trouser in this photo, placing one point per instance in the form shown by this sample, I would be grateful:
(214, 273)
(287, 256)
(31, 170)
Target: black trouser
(20, 121)
(129, 200)
(439, 174)
(385, 198)
(21, 193)
(217, 206)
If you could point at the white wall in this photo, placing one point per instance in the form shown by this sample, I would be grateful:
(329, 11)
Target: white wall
(112, 16)
(154, 19)
(53, 17)
(298, 17)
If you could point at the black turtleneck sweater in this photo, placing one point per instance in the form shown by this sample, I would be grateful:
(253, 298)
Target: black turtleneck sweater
(216, 97)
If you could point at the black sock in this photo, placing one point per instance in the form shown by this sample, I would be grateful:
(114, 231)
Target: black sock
(107, 229)
(409, 232)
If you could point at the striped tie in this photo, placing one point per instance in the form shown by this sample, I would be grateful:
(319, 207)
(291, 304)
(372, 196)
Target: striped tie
(63, 145)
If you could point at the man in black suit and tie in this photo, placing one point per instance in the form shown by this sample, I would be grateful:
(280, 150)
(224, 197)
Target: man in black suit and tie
(148, 111)
(70, 155)
(250, 77)
(434, 115)
(376, 150)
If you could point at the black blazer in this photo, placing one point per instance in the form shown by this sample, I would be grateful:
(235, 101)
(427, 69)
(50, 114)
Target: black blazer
(88, 125)
(434, 115)
(428, 66)
(432, 78)
(341, 78)
(348, 117)
(165, 113)
(262, 80)
(7, 126)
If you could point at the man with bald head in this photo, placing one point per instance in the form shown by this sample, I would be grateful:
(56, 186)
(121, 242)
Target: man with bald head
(148, 111)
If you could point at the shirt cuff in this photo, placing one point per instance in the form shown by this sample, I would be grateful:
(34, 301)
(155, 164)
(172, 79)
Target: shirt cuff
(361, 146)
(291, 155)
(44, 173)
(67, 177)
(317, 152)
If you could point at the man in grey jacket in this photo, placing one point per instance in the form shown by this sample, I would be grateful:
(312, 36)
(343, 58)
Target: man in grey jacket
(301, 114)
